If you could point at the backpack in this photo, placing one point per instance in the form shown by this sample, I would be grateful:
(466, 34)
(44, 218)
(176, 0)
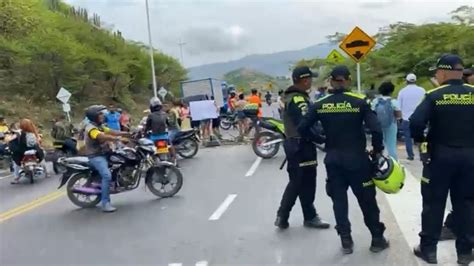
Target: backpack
(384, 110)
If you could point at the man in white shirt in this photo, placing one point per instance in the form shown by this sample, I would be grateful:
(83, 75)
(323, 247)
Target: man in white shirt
(409, 98)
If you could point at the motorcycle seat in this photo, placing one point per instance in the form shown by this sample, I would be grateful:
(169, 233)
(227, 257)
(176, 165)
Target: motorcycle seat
(185, 133)
(81, 160)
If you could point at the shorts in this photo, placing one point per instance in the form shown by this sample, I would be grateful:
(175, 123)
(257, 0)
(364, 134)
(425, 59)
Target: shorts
(216, 122)
(205, 122)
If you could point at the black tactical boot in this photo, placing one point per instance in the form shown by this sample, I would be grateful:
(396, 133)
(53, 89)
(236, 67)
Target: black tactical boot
(347, 244)
(379, 244)
(429, 257)
(465, 259)
(281, 222)
(316, 222)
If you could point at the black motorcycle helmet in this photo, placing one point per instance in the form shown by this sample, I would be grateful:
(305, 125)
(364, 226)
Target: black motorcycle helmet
(155, 104)
(93, 112)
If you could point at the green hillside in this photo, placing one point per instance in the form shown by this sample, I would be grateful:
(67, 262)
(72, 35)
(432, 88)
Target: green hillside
(47, 44)
(247, 79)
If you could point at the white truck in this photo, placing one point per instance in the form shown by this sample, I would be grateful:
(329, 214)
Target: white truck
(203, 87)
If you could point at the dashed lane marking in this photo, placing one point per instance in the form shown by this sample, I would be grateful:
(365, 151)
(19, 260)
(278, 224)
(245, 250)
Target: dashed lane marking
(254, 167)
(223, 207)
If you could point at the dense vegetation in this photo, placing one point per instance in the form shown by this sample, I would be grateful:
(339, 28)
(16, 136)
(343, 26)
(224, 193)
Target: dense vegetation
(247, 79)
(47, 44)
(405, 47)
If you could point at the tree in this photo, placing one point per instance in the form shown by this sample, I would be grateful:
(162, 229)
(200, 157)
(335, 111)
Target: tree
(463, 15)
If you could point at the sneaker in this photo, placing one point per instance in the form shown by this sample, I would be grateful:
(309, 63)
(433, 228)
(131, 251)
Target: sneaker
(411, 158)
(429, 258)
(379, 244)
(107, 207)
(447, 234)
(316, 222)
(281, 223)
(347, 244)
(465, 259)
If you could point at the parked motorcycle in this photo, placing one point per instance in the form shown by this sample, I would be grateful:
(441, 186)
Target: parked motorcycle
(186, 143)
(266, 143)
(229, 121)
(128, 166)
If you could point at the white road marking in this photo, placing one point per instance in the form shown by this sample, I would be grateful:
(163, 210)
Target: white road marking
(254, 167)
(223, 207)
(201, 263)
(175, 264)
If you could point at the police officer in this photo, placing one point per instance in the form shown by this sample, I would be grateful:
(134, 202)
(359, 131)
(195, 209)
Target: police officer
(447, 231)
(300, 153)
(342, 115)
(448, 158)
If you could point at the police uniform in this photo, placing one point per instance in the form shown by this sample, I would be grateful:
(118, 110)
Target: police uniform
(449, 111)
(342, 115)
(301, 158)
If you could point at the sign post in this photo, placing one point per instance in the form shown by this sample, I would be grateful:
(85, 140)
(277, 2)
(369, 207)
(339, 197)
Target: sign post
(64, 96)
(335, 57)
(162, 92)
(357, 45)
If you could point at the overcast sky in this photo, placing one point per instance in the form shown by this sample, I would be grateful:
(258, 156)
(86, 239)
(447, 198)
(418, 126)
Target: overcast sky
(222, 30)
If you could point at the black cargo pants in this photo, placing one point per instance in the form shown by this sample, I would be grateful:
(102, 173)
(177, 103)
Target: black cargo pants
(450, 170)
(354, 172)
(301, 167)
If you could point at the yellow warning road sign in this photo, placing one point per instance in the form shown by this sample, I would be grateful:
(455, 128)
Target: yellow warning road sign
(357, 44)
(335, 57)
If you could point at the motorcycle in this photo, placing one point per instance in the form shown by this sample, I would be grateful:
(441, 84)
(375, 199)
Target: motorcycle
(128, 166)
(63, 148)
(266, 143)
(228, 121)
(31, 167)
(186, 143)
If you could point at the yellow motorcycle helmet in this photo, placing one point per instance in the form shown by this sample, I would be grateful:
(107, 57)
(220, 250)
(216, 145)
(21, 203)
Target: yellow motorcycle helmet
(389, 175)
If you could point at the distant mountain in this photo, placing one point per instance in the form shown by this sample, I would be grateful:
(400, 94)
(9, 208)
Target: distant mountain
(276, 64)
(246, 79)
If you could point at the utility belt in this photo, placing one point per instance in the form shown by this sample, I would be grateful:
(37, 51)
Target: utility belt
(430, 150)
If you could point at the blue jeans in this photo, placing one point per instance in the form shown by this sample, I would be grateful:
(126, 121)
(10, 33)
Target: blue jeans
(390, 140)
(408, 139)
(101, 165)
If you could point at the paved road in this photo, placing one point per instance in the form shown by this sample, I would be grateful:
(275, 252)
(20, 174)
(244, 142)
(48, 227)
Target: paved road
(223, 215)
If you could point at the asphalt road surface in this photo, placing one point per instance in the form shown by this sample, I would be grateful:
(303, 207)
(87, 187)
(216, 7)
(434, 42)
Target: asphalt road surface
(223, 215)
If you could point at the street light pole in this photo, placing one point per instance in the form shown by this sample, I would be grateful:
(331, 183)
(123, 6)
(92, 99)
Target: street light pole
(152, 60)
(181, 50)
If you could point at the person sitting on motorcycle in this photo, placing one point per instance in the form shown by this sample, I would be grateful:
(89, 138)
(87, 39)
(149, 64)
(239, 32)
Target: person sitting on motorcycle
(157, 123)
(97, 138)
(28, 139)
(63, 132)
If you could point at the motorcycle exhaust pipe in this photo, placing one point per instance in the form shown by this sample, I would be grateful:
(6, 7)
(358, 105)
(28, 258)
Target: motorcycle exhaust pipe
(271, 142)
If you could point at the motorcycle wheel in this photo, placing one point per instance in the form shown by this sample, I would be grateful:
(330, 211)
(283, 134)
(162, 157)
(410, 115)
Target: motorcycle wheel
(189, 148)
(265, 152)
(225, 124)
(160, 181)
(81, 200)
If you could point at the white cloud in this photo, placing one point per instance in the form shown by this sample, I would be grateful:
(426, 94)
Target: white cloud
(220, 30)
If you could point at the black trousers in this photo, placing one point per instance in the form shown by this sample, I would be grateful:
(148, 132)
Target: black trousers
(301, 169)
(450, 170)
(339, 180)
